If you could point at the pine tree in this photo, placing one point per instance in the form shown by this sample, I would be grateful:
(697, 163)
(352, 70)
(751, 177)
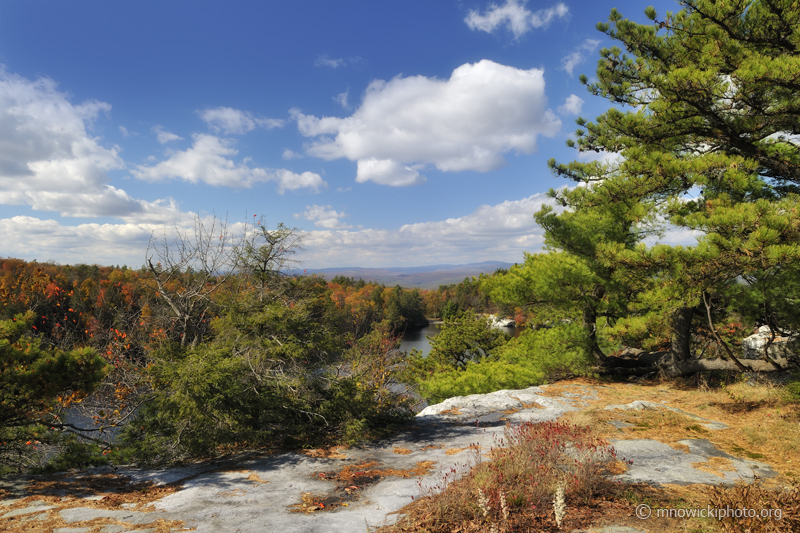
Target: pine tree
(708, 147)
(35, 380)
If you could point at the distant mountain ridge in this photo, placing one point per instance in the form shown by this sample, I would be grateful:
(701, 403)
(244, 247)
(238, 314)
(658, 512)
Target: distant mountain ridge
(420, 277)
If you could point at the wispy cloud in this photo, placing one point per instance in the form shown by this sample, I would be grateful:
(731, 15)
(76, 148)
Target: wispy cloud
(569, 62)
(500, 232)
(163, 136)
(234, 121)
(335, 62)
(514, 16)
(289, 154)
(341, 99)
(326, 61)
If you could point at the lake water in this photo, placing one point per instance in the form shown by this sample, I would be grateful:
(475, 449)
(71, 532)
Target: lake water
(418, 338)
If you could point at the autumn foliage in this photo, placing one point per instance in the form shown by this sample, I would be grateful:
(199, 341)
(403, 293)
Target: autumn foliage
(88, 349)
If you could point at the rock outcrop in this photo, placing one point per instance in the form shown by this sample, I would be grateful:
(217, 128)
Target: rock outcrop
(781, 348)
(501, 322)
(341, 490)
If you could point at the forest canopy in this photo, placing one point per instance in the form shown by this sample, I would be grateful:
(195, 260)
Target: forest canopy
(212, 345)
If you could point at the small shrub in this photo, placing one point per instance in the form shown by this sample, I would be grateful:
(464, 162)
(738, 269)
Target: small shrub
(74, 453)
(792, 388)
(540, 464)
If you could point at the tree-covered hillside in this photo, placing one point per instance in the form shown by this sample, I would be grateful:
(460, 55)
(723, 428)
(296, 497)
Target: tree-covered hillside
(209, 346)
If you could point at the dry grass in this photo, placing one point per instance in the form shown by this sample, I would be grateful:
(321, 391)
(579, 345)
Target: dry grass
(230, 493)
(366, 472)
(243, 470)
(350, 481)
(455, 451)
(782, 505)
(764, 424)
(334, 452)
(514, 492)
(531, 405)
(115, 491)
(616, 467)
(256, 479)
(716, 466)
(108, 492)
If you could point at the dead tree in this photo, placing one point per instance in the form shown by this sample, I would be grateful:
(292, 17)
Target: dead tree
(189, 269)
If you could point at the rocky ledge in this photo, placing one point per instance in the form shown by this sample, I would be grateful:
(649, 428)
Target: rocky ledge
(347, 490)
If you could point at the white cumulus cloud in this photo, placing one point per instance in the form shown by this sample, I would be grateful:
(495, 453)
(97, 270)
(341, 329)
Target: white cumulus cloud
(234, 121)
(323, 216)
(208, 161)
(106, 244)
(492, 232)
(387, 172)
(291, 181)
(500, 232)
(50, 162)
(30, 238)
(515, 16)
(572, 105)
(468, 122)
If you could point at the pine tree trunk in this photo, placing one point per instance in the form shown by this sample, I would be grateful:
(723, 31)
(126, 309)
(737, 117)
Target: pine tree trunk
(590, 325)
(680, 345)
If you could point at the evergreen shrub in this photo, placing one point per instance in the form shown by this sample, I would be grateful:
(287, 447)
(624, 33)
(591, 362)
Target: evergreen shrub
(535, 357)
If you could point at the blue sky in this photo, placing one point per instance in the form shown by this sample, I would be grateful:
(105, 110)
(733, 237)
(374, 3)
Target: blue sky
(393, 133)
